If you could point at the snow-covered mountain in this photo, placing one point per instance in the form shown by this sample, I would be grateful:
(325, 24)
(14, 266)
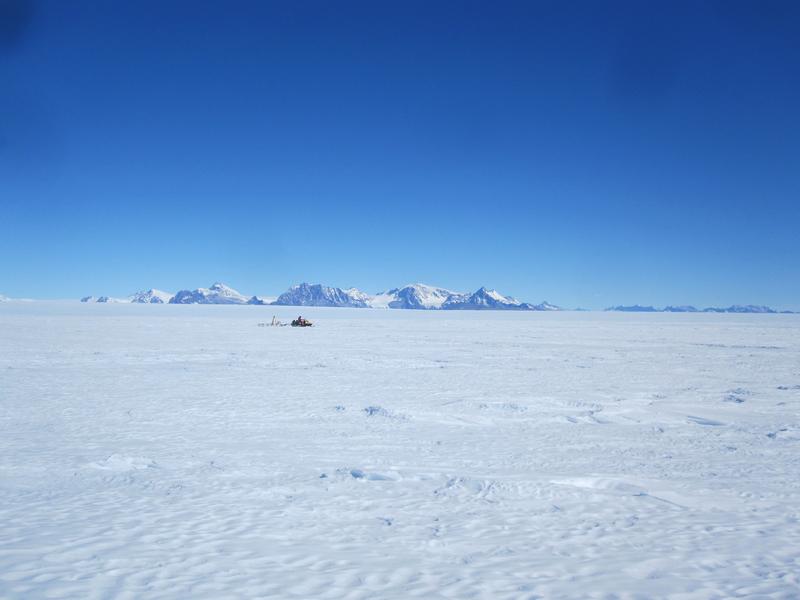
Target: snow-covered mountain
(110, 300)
(151, 296)
(105, 300)
(544, 306)
(416, 296)
(749, 308)
(682, 309)
(484, 299)
(357, 294)
(736, 308)
(4, 298)
(322, 295)
(219, 293)
(413, 296)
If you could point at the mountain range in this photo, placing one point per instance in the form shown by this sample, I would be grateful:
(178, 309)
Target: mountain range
(322, 295)
(415, 296)
(736, 308)
(219, 293)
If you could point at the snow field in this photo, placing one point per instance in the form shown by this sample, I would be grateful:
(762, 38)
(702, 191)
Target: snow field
(166, 451)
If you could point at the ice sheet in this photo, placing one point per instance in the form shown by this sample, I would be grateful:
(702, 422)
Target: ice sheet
(161, 451)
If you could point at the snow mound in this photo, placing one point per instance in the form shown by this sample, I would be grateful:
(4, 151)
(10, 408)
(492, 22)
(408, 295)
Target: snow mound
(121, 462)
(373, 475)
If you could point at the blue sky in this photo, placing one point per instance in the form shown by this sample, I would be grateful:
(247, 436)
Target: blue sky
(589, 153)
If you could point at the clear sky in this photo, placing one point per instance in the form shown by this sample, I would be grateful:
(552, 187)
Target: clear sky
(587, 153)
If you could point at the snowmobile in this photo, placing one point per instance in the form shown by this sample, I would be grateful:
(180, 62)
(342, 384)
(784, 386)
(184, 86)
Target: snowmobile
(301, 322)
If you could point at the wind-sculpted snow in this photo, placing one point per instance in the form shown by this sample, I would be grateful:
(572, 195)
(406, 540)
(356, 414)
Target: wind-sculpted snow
(153, 451)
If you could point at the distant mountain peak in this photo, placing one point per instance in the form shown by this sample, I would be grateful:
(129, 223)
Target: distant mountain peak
(151, 296)
(484, 299)
(632, 308)
(219, 293)
(417, 296)
(749, 308)
(544, 306)
(681, 308)
(305, 294)
(736, 308)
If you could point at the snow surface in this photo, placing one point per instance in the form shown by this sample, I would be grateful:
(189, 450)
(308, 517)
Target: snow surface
(169, 451)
